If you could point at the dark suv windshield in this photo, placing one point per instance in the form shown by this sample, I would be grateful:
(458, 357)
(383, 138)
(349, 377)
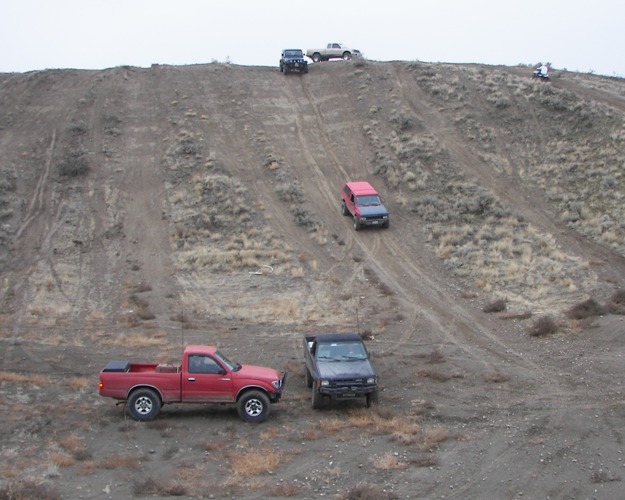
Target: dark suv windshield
(363, 201)
(341, 351)
(293, 53)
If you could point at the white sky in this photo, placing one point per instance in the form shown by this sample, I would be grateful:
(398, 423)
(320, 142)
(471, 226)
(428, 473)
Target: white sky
(578, 35)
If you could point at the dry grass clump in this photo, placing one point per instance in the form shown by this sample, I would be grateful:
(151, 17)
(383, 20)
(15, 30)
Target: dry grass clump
(255, 462)
(78, 383)
(311, 434)
(20, 378)
(423, 438)
(62, 460)
(379, 419)
(120, 460)
(72, 443)
(402, 429)
(388, 461)
(157, 338)
(323, 428)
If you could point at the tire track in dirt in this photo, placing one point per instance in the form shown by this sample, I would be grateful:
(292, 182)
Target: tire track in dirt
(35, 208)
(37, 202)
(471, 336)
(420, 295)
(329, 191)
(467, 332)
(369, 242)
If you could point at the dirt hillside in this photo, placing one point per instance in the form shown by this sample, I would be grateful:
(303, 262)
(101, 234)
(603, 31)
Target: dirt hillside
(145, 209)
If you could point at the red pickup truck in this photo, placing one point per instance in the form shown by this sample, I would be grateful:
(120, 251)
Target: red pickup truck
(204, 376)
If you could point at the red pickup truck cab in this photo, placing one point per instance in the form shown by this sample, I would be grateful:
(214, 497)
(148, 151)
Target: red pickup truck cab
(204, 376)
(363, 203)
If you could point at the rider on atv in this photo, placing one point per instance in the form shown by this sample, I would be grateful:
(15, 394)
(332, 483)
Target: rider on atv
(542, 71)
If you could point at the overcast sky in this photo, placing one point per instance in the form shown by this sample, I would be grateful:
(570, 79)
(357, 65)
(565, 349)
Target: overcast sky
(578, 35)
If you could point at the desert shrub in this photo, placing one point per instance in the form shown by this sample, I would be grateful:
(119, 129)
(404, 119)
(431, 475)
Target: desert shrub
(152, 486)
(603, 476)
(78, 128)
(365, 491)
(586, 309)
(110, 125)
(516, 315)
(141, 307)
(498, 305)
(8, 181)
(187, 146)
(359, 62)
(74, 165)
(616, 304)
(496, 377)
(285, 490)
(403, 121)
(290, 192)
(26, 490)
(303, 218)
(545, 325)
(425, 460)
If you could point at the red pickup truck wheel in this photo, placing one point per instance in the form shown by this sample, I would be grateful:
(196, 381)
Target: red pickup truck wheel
(344, 210)
(144, 404)
(253, 406)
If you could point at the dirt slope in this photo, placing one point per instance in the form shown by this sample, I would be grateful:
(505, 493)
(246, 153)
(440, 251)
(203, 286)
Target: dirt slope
(147, 208)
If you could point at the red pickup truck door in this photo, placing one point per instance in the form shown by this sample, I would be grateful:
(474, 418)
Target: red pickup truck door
(206, 381)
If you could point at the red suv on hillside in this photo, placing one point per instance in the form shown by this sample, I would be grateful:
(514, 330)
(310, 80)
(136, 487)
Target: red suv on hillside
(363, 203)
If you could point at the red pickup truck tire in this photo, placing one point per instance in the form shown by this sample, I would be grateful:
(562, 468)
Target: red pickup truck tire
(144, 404)
(344, 210)
(253, 406)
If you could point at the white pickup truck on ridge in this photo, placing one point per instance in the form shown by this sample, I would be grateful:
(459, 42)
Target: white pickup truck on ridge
(332, 51)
